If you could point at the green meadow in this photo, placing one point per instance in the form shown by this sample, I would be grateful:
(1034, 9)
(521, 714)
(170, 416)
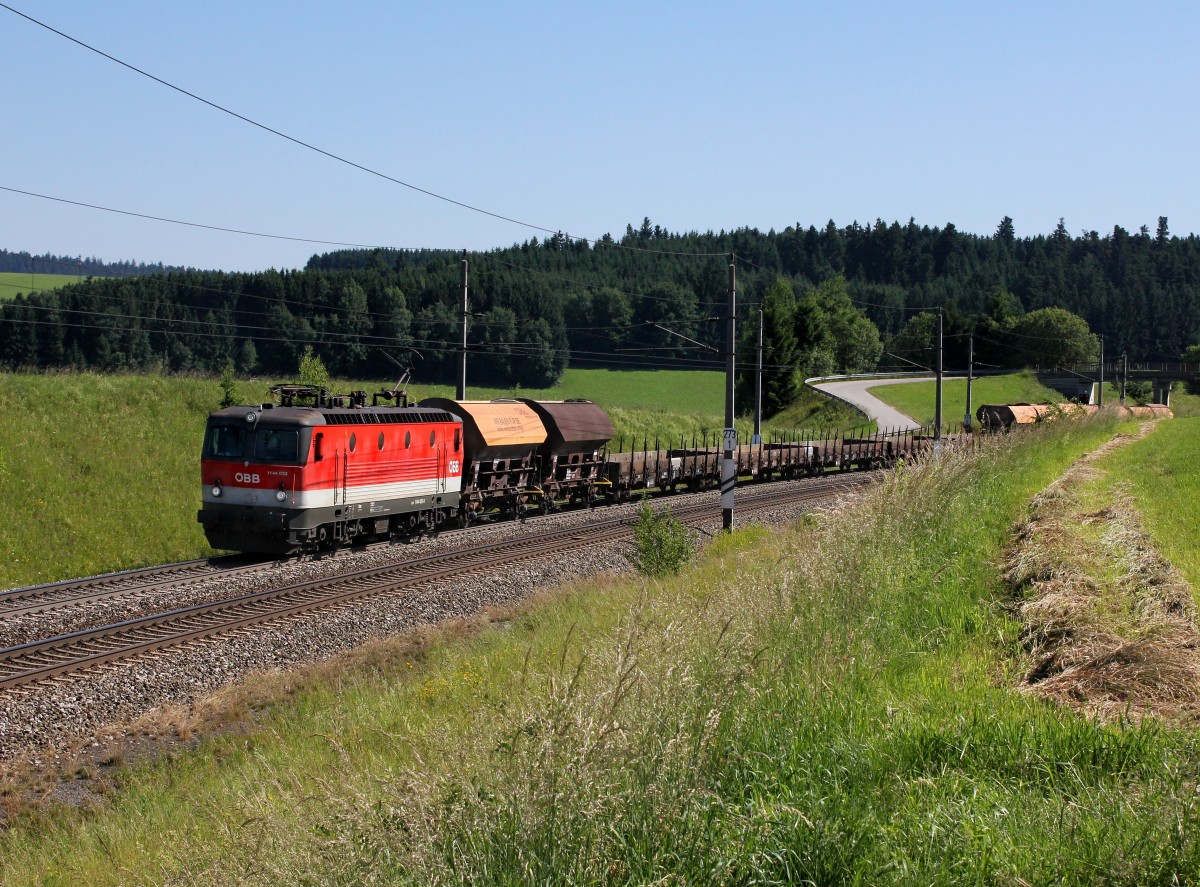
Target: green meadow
(830, 703)
(13, 283)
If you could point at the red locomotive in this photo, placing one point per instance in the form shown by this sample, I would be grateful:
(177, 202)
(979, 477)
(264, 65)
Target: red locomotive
(319, 471)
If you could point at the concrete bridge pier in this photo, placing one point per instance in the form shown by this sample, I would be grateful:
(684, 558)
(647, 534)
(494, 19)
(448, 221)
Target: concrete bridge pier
(1162, 392)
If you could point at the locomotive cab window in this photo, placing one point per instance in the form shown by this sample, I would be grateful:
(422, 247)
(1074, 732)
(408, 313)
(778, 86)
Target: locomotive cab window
(275, 445)
(225, 442)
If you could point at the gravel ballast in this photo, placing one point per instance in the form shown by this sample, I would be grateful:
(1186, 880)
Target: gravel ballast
(48, 724)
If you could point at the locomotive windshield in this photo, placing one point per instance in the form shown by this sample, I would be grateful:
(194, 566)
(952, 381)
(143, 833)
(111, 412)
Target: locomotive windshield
(273, 445)
(225, 442)
(231, 441)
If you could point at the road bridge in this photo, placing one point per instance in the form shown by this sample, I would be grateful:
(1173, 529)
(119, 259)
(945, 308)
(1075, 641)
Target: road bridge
(1078, 381)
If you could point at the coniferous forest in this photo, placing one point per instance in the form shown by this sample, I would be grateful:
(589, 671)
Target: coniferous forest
(835, 299)
(25, 263)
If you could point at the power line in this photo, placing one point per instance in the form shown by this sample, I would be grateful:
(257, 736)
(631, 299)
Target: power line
(321, 339)
(266, 128)
(287, 304)
(311, 147)
(215, 328)
(125, 212)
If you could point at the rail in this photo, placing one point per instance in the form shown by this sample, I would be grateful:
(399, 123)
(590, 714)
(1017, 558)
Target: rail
(50, 658)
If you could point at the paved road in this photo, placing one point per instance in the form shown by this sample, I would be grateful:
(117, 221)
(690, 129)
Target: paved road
(856, 391)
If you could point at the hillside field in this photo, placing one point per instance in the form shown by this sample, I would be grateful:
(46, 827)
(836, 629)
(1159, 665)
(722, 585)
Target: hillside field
(12, 283)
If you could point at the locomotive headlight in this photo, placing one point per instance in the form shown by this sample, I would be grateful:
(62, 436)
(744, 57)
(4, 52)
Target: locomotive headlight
(251, 416)
(281, 495)
(216, 491)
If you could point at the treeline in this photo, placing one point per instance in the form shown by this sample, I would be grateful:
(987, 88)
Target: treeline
(1140, 290)
(261, 322)
(649, 298)
(26, 263)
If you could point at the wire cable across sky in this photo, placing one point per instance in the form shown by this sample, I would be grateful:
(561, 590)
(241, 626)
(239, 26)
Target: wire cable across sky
(311, 147)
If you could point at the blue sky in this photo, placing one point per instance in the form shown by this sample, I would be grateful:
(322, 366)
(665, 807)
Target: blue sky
(586, 117)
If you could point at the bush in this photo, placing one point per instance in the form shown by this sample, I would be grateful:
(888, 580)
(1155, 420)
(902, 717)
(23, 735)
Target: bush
(312, 369)
(1139, 392)
(662, 545)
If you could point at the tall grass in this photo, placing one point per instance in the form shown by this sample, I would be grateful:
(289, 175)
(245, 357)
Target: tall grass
(831, 716)
(826, 704)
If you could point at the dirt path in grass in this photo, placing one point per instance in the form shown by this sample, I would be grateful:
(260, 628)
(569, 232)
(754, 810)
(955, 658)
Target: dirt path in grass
(1110, 627)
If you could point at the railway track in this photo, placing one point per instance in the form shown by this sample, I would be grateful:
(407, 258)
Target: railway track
(51, 658)
(72, 592)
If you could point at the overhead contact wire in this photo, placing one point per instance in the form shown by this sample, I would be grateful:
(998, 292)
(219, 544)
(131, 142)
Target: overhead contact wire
(332, 156)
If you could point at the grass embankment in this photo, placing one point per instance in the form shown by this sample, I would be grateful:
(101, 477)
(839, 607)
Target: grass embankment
(98, 473)
(101, 473)
(916, 399)
(1162, 476)
(13, 283)
(829, 703)
(1109, 623)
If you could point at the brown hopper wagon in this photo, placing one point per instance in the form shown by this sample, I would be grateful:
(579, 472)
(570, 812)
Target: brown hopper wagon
(571, 459)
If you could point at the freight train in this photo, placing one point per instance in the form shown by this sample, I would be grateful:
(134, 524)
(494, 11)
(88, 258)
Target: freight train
(317, 471)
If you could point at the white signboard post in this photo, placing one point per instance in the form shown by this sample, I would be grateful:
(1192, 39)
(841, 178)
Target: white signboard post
(728, 480)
